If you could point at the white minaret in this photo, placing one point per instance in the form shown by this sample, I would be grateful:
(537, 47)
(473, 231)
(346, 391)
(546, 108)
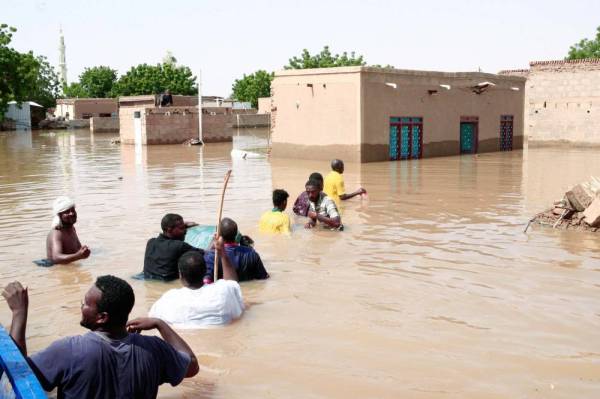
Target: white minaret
(62, 60)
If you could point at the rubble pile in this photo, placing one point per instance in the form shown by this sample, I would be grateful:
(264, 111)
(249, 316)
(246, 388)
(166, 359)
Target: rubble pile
(578, 210)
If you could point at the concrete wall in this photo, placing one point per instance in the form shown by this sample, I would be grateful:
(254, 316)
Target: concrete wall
(251, 120)
(318, 114)
(441, 110)
(104, 125)
(563, 101)
(264, 105)
(345, 112)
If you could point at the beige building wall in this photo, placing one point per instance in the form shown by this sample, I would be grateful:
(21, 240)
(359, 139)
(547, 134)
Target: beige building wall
(563, 101)
(441, 110)
(318, 113)
(264, 105)
(345, 112)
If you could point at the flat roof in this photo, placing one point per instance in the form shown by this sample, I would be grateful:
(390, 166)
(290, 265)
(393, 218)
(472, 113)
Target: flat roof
(394, 71)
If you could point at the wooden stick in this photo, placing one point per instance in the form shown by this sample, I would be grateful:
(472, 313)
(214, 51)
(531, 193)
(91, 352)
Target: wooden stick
(216, 268)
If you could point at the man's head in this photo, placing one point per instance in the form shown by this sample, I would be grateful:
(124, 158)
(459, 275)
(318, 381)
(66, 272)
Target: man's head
(64, 212)
(337, 165)
(313, 189)
(316, 176)
(107, 304)
(173, 226)
(192, 269)
(280, 199)
(228, 230)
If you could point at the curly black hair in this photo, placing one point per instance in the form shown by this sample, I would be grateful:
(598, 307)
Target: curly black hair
(192, 266)
(117, 299)
(169, 221)
(279, 197)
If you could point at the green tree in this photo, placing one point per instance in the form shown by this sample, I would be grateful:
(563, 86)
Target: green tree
(154, 79)
(75, 90)
(251, 87)
(98, 81)
(23, 76)
(324, 59)
(586, 48)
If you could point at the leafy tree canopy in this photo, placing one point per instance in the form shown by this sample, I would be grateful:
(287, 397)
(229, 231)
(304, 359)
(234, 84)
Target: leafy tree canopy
(324, 59)
(95, 82)
(24, 76)
(586, 48)
(253, 86)
(155, 79)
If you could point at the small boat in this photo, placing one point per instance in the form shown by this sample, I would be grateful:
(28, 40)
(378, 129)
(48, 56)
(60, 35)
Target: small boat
(17, 379)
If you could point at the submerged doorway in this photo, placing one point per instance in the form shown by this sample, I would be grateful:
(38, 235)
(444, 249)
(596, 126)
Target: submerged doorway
(468, 134)
(506, 132)
(406, 138)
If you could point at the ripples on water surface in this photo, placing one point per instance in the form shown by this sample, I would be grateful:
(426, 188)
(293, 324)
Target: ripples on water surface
(432, 291)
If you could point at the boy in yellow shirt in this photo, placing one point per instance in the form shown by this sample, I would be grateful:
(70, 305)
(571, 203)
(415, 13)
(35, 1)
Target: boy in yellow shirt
(275, 221)
(334, 184)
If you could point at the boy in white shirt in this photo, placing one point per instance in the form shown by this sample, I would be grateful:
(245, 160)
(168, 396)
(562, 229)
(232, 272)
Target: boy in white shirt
(197, 305)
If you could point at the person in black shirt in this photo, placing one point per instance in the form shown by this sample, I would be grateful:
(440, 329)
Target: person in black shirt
(166, 99)
(163, 252)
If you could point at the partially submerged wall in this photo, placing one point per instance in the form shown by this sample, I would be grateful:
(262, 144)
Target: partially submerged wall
(420, 94)
(317, 114)
(563, 101)
(172, 125)
(345, 112)
(104, 125)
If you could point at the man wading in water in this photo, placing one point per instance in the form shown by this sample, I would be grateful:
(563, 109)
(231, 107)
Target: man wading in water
(322, 208)
(112, 360)
(62, 243)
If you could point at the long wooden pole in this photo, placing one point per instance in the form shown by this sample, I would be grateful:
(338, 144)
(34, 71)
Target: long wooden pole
(220, 213)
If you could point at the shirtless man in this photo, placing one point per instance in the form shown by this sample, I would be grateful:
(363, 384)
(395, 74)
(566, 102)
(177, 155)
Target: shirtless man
(62, 243)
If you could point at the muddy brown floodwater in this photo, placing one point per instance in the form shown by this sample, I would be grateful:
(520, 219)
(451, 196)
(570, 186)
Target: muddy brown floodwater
(432, 291)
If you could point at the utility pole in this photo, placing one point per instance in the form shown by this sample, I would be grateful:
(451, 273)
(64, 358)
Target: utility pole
(200, 106)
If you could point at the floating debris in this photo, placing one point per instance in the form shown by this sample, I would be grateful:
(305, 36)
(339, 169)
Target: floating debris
(578, 210)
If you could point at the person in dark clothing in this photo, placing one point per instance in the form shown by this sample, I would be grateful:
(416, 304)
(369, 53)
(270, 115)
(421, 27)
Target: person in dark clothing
(163, 252)
(112, 360)
(302, 204)
(245, 260)
(166, 99)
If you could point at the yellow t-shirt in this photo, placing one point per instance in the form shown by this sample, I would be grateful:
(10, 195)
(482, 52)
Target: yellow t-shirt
(274, 221)
(334, 186)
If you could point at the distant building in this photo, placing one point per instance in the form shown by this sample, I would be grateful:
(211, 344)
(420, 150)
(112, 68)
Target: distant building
(141, 121)
(366, 114)
(85, 108)
(22, 116)
(562, 101)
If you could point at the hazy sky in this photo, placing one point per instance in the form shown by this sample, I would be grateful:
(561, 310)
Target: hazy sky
(229, 38)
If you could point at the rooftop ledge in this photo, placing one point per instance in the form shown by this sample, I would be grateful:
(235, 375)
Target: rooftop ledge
(406, 72)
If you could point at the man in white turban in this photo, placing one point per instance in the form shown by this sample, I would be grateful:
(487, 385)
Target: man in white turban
(62, 244)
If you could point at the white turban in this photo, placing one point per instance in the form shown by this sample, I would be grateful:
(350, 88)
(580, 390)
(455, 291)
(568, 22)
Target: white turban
(60, 204)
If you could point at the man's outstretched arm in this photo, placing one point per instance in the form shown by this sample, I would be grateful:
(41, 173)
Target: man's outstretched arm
(17, 299)
(360, 191)
(169, 335)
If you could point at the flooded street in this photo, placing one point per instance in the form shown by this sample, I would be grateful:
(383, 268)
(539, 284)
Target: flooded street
(432, 291)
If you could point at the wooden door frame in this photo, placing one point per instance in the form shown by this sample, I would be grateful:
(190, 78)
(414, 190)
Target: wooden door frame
(410, 135)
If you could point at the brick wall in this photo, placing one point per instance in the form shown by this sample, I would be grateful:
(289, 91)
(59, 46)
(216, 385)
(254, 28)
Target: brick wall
(173, 125)
(104, 125)
(562, 101)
